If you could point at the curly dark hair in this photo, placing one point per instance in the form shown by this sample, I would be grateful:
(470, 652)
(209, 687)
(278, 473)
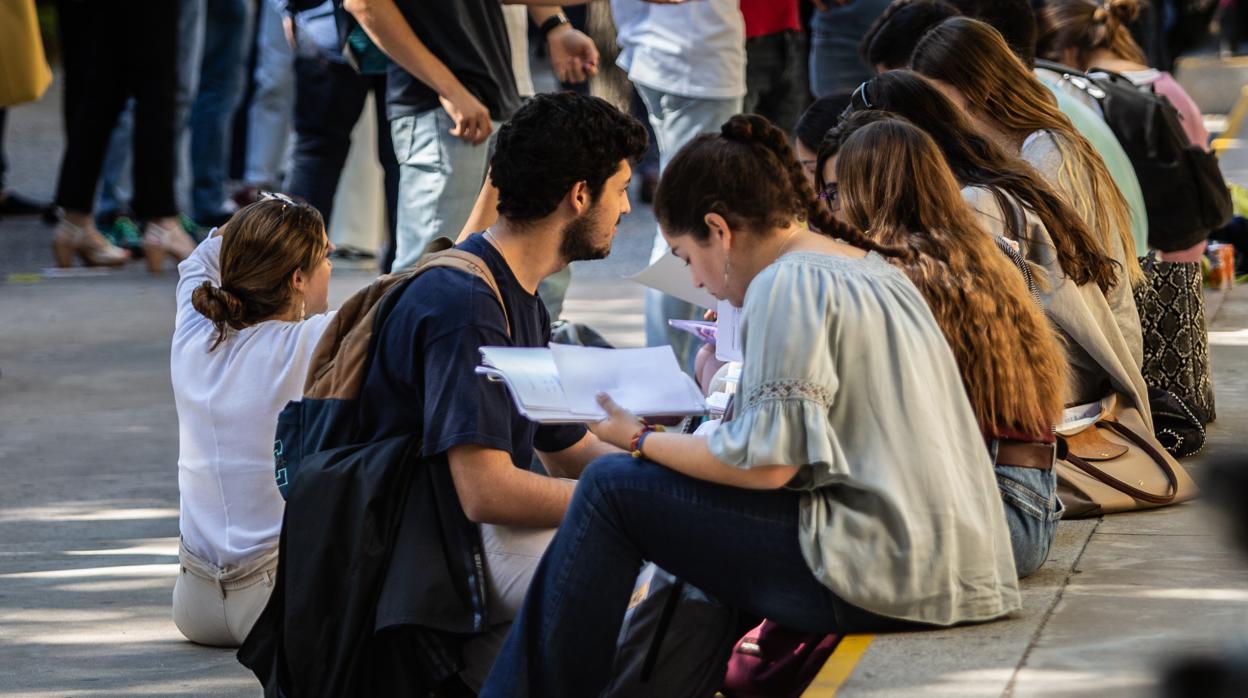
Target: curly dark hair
(555, 141)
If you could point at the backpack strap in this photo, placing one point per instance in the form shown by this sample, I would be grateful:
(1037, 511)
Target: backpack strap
(469, 264)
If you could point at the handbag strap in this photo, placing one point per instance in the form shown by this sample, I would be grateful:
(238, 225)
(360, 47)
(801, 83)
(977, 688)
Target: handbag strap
(1121, 486)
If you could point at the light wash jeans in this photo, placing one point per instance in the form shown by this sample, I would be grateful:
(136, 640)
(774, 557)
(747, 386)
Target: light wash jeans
(1032, 511)
(116, 187)
(676, 121)
(835, 66)
(440, 177)
(227, 31)
(272, 104)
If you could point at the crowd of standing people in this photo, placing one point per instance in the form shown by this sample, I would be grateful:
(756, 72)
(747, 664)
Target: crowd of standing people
(931, 227)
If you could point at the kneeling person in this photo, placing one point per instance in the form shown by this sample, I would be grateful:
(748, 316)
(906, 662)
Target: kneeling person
(561, 166)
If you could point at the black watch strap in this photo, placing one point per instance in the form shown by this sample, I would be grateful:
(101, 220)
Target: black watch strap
(551, 23)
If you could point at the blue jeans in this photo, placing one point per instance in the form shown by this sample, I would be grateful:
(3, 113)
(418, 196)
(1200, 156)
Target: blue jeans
(1032, 511)
(676, 121)
(835, 66)
(740, 546)
(439, 179)
(227, 35)
(272, 104)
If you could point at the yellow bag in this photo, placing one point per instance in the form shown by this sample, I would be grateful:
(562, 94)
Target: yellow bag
(24, 72)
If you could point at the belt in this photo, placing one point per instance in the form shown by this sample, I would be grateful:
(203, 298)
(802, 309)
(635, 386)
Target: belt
(1025, 454)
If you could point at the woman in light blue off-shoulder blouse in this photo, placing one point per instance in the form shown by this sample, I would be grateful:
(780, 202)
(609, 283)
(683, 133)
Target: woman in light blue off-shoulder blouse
(851, 491)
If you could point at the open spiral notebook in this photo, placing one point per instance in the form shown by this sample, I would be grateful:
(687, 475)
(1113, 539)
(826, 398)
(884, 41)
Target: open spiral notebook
(561, 383)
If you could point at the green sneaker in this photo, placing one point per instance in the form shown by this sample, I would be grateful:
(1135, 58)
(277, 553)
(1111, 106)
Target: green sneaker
(195, 230)
(124, 233)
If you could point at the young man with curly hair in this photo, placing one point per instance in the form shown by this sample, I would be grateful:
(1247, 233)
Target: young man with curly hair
(562, 169)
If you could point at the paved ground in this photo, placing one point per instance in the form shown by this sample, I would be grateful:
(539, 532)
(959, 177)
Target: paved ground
(88, 503)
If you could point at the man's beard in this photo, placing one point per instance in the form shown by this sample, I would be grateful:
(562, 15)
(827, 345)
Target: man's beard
(578, 240)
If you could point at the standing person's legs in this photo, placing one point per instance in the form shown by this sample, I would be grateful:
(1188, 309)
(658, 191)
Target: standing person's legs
(153, 61)
(116, 185)
(835, 66)
(226, 34)
(676, 121)
(97, 89)
(272, 104)
(329, 98)
(439, 179)
(739, 546)
(190, 57)
(390, 166)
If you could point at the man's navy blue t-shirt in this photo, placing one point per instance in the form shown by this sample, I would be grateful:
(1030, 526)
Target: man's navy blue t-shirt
(423, 373)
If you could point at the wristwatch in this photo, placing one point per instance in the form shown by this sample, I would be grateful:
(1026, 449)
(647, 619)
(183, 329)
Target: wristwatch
(551, 23)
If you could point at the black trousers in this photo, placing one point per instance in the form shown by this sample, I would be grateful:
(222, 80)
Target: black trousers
(114, 50)
(329, 97)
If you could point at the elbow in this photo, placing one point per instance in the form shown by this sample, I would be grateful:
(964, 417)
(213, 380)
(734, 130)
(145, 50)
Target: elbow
(476, 508)
(355, 8)
(775, 477)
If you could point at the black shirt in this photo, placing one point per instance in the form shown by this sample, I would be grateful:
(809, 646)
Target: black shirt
(470, 37)
(423, 374)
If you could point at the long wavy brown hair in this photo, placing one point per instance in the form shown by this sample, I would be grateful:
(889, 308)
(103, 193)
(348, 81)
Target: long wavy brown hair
(895, 184)
(978, 161)
(973, 58)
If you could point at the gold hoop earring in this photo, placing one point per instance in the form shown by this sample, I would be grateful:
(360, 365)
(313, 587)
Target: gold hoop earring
(302, 305)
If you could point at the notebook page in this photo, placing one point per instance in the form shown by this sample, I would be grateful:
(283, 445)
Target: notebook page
(531, 374)
(644, 381)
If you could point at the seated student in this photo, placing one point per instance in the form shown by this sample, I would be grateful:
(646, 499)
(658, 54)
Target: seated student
(817, 120)
(252, 302)
(891, 42)
(851, 417)
(1089, 35)
(891, 180)
(970, 63)
(1016, 21)
(561, 167)
(1013, 201)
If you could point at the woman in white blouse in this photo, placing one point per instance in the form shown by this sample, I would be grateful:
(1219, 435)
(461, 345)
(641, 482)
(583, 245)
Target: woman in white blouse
(850, 492)
(252, 303)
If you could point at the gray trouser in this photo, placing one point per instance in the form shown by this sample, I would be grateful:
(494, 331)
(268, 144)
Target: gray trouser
(511, 557)
(217, 607)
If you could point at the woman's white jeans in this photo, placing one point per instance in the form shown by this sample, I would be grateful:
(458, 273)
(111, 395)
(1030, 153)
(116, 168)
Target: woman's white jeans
(215, 606)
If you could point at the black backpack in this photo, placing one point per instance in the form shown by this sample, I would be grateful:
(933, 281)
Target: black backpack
(1183, 188)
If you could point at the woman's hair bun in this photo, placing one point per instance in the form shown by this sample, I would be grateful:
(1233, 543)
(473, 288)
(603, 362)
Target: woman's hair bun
(217, 304)
(1123, 11)
(744, 128)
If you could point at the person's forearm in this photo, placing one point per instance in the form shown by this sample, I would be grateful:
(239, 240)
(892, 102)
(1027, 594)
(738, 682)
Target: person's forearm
(689, 455)
(484, 212)
(390, 31)
(571, 462)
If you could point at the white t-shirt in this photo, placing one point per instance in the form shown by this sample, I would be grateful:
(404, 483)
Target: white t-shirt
(695, 49)
(228, 401)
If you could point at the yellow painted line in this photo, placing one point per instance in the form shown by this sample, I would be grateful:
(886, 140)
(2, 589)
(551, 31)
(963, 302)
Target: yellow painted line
(839, 666)
(24, 278)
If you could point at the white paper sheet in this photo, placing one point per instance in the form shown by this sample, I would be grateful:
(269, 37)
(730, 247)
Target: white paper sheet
(728, 332)
(669, 275)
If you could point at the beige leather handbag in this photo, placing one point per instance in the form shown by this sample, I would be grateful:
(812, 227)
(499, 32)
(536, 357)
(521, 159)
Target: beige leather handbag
(1114, 464)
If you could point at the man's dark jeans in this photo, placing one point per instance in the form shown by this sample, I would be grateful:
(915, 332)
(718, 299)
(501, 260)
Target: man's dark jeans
(775, 77)
(740, 546)
(329, 98)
